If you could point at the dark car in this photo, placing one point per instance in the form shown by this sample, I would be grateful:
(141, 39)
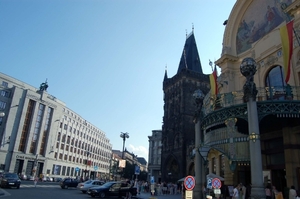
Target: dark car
(68, 182)
(119, 189)
(10, 180)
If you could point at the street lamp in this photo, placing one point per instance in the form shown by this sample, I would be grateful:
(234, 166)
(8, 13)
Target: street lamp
(248, 69)
(124, 136)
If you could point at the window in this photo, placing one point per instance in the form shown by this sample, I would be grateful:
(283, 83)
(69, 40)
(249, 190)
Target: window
(4, 93)
(4, 84)
(2, 105)
(275, 84)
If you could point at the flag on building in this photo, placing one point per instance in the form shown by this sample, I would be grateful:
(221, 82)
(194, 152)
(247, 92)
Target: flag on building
(213, 82)
(286, 34)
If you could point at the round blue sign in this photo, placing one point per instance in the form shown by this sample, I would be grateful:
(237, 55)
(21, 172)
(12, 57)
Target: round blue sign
(77, 169)
(189, 183)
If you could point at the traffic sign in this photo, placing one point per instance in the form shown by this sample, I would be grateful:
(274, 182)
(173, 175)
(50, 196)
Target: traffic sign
(216, 183)
(209, 183)
(217, 191)
(77, 169)
(96, 168)
(189, 183)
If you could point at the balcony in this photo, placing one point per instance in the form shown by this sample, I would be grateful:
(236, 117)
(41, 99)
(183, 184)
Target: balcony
(281, 101)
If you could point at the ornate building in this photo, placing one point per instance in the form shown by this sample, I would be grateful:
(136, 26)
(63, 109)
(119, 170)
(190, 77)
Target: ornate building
(178, 130)
(253, 30)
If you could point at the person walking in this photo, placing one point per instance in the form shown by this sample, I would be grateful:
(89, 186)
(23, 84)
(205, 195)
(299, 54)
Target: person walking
(268, 192)
(35, 180)
(236, 192)
(292, 192)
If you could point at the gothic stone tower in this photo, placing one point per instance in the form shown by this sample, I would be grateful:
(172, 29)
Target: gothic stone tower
(178, 130)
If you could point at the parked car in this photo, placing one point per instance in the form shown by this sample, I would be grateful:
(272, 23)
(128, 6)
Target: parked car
(57, 179)
(49, 179)
(10, 180)
(23, 177)
(119, 189)
(84, 186)
(29, 177)
(68, 182)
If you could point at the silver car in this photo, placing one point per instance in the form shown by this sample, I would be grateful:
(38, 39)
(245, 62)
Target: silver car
(84, 186)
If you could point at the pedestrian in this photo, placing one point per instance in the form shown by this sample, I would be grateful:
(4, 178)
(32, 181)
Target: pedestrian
(292, 192)
(35, 180)
(243, 191)
(274, 192)
(268, 192)
(236, 192)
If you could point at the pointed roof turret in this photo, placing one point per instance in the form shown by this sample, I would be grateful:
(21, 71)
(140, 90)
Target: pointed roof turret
(190, 57)
(166, 75)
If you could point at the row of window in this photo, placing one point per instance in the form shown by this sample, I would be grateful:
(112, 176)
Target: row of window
(79, 160)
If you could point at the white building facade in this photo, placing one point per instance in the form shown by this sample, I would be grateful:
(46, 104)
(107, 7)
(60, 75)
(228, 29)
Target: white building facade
(40, 135)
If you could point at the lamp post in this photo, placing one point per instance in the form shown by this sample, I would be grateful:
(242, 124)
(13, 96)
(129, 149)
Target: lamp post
(124, 136)
(248, 69)
(197, 192)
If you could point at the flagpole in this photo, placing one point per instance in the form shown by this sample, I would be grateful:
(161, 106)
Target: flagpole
(289, 18)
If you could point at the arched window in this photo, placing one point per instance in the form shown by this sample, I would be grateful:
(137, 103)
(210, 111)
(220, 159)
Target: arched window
(275, 84)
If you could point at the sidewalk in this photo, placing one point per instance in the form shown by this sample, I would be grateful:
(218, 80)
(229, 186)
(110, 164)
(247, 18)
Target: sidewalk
(168, 196)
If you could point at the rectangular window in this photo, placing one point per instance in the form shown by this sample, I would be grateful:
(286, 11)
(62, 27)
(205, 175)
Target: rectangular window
(64, 170)
(4, 93)
(2, 105)
(213, 165)
(4, 84)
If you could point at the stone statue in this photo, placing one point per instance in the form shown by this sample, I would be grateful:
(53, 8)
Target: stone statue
(44, 86)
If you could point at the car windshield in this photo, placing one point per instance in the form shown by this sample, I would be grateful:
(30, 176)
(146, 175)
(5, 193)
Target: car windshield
(108, 184)
(88, 182)
(10, 175)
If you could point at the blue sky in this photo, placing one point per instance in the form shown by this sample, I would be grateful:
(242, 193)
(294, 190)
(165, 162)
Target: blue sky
(106, 59)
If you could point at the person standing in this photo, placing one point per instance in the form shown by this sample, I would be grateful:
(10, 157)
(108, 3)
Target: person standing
(35, 180)
(292, 192)
(243, 191)
(235, 194)
(268, 192)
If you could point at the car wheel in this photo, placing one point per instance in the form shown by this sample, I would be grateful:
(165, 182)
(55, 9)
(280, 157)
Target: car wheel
(83, 191)
(66, 187)
(18, 187)
(102, 195)
(93, 196)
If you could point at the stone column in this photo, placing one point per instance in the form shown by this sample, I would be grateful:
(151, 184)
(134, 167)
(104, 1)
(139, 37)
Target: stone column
(199, 167)
(248, 69)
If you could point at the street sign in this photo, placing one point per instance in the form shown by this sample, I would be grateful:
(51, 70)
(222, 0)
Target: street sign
(152, 180)
(209, 183)
(217, 191)
(188, 194)
(137, 170)
(189, 183)
(216, 183)
(77, 169)
(96, 168)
